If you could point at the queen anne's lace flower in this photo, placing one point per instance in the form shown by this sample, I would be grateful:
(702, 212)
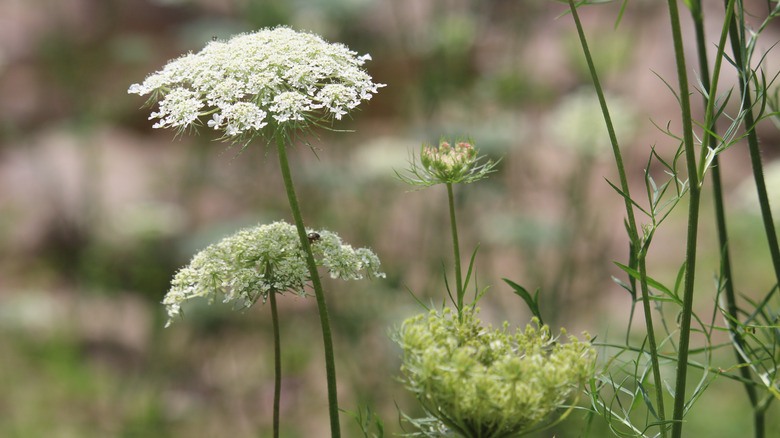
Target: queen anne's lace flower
(274, 76)
(446, 160)
(478, 382)
(245, 267)
(447, 164)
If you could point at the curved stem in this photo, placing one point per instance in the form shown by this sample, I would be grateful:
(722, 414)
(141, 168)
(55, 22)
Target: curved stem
(327, 339)
(277, 362)
(638, 251)
(456, 249)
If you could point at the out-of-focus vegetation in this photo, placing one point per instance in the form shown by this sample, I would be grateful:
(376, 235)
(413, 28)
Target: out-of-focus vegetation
(97, 210)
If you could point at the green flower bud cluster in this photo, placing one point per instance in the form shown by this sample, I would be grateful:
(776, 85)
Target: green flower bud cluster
(481, 382)
(447, 164)
(277, 77)
(264, 259)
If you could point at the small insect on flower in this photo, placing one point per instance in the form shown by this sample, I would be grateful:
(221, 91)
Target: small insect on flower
(313, 237)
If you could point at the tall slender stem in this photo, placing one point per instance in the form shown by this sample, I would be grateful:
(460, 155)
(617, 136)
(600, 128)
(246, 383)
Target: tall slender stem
(277, 362)
(693, 224)
(720, 211)
(638, 251)
(456, 249)
(742, 65)
(759, 423)
(738, 47)
(327, 338)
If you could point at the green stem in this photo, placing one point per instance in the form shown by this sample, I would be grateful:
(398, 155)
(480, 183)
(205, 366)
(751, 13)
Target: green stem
(327, 339)
(717, 185)
(728, 283)
(693, 224)
(638, 251)
(763, 197)
(456, 249)
(737, 46)
(277, 362)
(758, 423)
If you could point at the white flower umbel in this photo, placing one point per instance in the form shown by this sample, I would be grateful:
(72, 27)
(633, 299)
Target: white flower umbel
(247, 266)
(276, 77)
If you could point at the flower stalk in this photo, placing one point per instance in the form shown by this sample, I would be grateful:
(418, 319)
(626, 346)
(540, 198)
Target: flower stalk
(637, 248)
(277, 363)
(693, 224)
(322, 309)
(460, 287)
(710, 139)
(740, 46)
(449, 164)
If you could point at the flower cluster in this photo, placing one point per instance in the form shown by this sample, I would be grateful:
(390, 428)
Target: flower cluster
(478, 382)
(446, 160)
(447, 164)
(276, 76)
(248, 265)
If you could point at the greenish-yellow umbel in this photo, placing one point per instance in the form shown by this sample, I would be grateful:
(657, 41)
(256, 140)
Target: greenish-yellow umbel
(482, 382)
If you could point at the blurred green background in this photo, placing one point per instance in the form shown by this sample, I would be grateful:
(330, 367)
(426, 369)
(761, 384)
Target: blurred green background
(98, 210)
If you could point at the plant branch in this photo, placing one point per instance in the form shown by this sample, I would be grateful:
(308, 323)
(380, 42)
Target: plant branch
(456, 250)
(710, 139)
(327, 339)
(637, 250)
(738, 48)
(693, 224)
(277, 362)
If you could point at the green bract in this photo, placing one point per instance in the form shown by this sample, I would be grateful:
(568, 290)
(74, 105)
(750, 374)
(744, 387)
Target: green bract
(248, 265)
(478, 382)
(447, 164)
(279, 76)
